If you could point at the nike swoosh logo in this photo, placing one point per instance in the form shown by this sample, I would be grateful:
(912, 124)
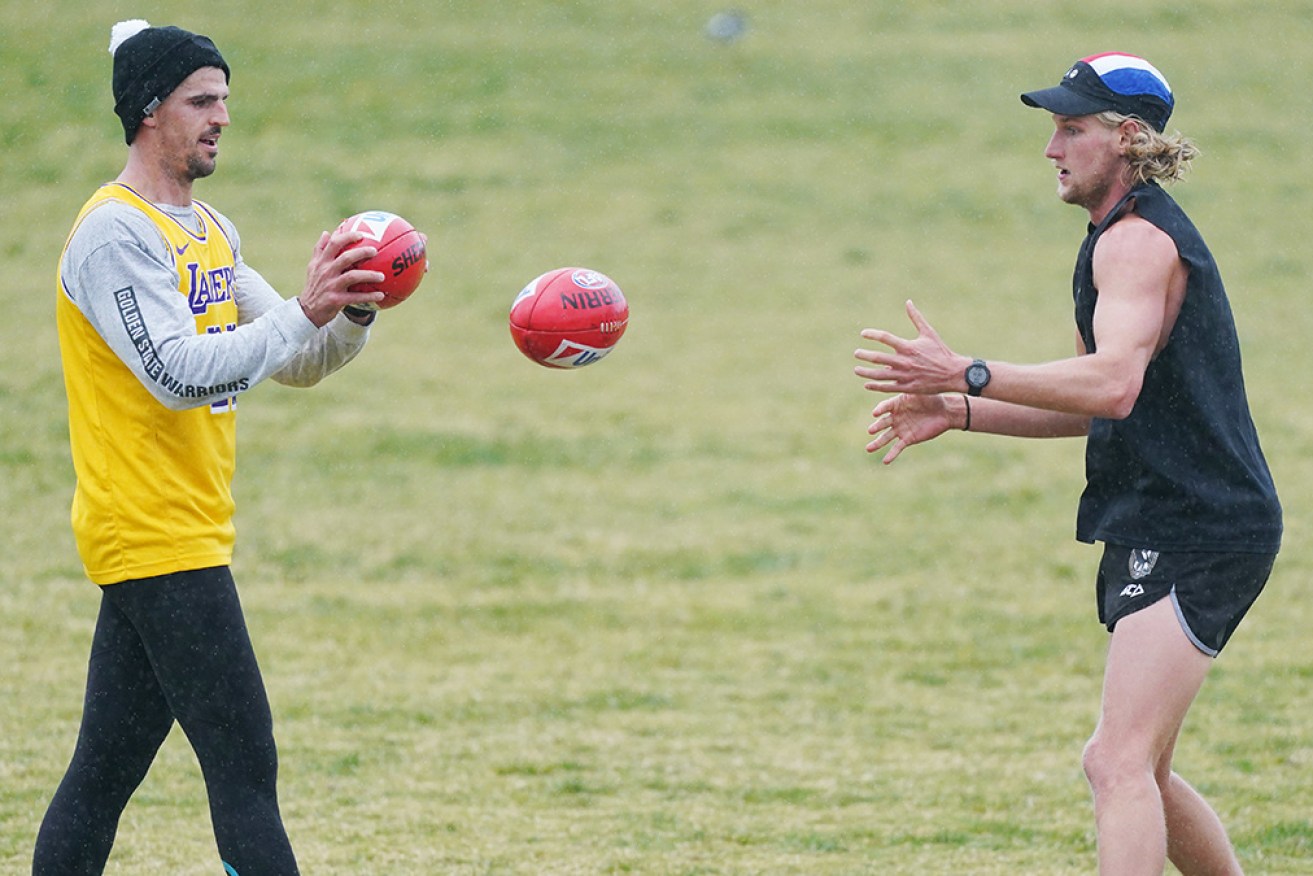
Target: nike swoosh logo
(182, 249)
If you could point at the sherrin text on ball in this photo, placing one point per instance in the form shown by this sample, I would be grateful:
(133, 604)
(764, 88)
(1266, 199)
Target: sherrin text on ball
(402, 256)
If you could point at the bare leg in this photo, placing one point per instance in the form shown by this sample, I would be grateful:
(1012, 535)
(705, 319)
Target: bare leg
(1196, 840)
(1142, 810)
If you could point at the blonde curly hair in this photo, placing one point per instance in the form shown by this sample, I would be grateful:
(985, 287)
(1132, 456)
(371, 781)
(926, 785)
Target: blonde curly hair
(1154, 157)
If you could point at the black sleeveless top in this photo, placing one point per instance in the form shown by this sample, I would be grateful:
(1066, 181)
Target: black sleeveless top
(1184, 471)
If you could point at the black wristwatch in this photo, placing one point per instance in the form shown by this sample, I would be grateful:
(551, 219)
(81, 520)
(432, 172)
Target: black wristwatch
(977, 377)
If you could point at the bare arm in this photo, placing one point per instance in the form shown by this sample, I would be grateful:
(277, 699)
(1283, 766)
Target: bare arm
(1138, 273)
(906, 419)
(1136, 270)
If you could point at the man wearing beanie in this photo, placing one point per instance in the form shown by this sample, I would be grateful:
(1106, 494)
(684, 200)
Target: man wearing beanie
(1177, 488)
(162, 325)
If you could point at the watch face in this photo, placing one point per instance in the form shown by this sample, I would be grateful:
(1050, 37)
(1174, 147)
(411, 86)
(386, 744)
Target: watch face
(977, 375)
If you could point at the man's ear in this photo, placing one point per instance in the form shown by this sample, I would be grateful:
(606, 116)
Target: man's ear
(1127, 132)
(149, 121)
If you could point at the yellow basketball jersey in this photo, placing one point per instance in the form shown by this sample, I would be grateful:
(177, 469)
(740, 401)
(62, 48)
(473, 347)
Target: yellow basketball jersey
(153, 489)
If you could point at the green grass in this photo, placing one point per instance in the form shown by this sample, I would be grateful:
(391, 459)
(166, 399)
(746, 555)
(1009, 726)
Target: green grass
(664, 616)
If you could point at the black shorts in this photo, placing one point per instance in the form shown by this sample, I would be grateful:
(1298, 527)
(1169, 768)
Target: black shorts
(1211, 592)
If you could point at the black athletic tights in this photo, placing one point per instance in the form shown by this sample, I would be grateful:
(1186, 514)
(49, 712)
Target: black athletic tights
(166, 648)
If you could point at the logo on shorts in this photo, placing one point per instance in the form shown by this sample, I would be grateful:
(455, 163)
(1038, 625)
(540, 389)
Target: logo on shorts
(1141, 563)
(1132, 591)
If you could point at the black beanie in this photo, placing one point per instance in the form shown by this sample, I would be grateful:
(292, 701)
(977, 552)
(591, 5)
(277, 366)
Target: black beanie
(151, 63)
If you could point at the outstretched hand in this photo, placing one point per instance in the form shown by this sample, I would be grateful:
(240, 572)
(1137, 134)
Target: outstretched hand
(919, 370)
(904, 420)
(331, 274)
(922, 365)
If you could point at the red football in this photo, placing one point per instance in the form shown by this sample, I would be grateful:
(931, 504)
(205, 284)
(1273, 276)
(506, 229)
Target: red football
(402, 256)
(568, 318)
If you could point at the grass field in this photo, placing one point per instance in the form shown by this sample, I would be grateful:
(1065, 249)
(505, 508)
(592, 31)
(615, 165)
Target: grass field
(663, 615)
